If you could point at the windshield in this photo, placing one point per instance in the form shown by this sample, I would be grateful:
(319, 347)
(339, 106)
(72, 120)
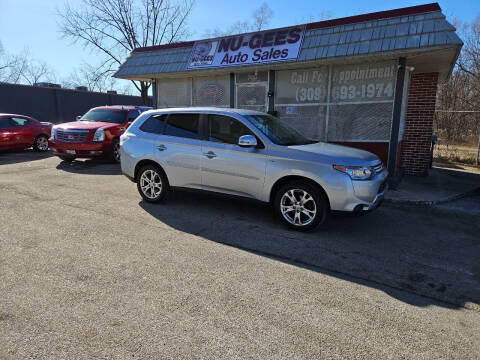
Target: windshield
(111, 116)
(277, 131)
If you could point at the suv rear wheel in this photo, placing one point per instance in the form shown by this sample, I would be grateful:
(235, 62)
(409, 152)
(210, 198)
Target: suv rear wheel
(152, 184)
(301, 206)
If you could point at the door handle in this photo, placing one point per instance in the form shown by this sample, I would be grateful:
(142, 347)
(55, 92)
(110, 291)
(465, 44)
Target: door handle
(210, 154)
(161, 147)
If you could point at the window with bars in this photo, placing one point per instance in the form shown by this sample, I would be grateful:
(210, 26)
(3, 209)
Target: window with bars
(174, 92)
(211, 91)
(338, 103)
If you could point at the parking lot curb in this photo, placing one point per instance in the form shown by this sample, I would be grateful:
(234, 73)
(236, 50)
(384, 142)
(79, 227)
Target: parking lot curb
(433, 202)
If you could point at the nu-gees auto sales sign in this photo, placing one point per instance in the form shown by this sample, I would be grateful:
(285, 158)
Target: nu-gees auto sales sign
(246, 49)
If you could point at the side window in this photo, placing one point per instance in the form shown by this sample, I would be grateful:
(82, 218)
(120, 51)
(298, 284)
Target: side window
(5, 122)
(226, 129)
(133, 115)
(19, 122)
(154, 124)
(183, 125)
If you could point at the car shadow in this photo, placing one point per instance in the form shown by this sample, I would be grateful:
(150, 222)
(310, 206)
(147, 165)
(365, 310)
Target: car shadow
(404, 252)
(96, 166)
(19, 156)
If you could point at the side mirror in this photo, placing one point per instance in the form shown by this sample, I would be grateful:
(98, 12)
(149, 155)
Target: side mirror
(78, 117)
(247, 141)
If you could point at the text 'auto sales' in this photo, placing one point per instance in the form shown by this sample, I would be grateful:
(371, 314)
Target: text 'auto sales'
(260, 47)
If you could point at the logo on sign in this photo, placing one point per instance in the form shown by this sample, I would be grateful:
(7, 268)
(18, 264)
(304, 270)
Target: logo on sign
(254, 48)
(203, 53)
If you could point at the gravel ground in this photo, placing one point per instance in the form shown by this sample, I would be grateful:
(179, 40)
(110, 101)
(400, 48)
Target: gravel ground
(87, 270)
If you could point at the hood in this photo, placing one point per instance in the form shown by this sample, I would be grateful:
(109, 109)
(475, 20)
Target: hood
(86, 125)
(340, 155)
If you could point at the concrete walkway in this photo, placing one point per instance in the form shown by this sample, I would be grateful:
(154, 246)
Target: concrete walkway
(445, 182)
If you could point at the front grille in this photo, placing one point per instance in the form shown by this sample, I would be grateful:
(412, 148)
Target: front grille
(72, 136)
(378, 168)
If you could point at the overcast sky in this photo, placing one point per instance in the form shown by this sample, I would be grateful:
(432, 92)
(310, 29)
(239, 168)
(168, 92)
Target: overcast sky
(32, 24)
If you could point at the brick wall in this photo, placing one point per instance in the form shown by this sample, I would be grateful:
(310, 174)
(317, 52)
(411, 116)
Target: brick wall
(419, 123)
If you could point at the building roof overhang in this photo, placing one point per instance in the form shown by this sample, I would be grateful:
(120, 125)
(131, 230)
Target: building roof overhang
(419, 33)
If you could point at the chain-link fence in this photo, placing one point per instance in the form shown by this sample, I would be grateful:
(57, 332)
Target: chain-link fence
(458, 136)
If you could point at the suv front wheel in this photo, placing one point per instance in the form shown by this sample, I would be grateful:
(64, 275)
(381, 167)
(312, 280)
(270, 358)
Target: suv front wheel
(152, 184)
(115, 151)
(301, 206)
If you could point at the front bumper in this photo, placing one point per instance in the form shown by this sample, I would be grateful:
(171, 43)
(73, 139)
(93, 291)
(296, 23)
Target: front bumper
(377, 201)
(363, 196)
(79, 150)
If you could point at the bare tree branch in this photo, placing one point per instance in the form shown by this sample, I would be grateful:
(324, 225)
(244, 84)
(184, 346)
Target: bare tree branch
(461, 92)
(261, 19)
(115, 27)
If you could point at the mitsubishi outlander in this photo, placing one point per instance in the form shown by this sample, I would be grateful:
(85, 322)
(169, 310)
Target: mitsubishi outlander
(253, 155)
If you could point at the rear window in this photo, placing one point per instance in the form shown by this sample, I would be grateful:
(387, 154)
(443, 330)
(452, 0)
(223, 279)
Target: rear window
(19, 122)
(183, 125)
(111, 116)
(153, 124)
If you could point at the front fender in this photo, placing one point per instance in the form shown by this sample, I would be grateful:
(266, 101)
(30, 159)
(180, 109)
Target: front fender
(337, 186)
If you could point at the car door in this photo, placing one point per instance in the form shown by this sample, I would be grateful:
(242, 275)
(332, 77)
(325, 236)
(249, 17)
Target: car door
(179, 149)
(228, 167)
(23, 131)
(6, 133)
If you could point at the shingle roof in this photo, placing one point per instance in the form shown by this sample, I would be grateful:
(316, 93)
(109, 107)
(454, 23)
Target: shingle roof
(416, 27)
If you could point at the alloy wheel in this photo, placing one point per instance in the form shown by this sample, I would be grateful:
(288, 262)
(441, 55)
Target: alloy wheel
(151, 184)
(298, 207)
(42, 143)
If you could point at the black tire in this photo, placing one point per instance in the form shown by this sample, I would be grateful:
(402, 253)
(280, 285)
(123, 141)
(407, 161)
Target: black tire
(114, 154)
(315, 207)
(41, 143)
(67, 158)
(157, 175)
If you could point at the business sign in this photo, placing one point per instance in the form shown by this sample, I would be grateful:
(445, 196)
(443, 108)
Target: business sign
(369, 82)
(254, 48)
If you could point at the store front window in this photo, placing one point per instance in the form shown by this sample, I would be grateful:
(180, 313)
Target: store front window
(338, 103)
(251, 90)
(329, 102)
(174, 92)
(211, 91)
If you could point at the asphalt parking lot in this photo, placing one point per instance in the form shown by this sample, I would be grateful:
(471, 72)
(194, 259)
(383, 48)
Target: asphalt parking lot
(88, 270)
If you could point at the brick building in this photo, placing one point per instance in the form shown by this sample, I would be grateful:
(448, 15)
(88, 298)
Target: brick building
(367, 81)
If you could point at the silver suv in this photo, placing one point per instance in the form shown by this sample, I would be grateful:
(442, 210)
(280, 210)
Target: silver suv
(250, 154)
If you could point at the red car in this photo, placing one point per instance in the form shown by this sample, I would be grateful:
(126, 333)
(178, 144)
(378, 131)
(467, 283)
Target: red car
(94, 134)
(20, 132)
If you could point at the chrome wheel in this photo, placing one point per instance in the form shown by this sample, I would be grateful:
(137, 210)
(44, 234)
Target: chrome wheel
(42, 143)
(151, 184)
(298, 207)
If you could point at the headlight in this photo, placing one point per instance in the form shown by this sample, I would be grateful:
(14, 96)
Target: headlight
(356, 172)
(99, 135)
(53, 133)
